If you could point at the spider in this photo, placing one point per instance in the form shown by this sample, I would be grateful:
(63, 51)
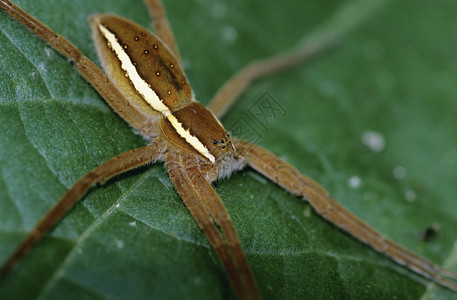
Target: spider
(185, 154)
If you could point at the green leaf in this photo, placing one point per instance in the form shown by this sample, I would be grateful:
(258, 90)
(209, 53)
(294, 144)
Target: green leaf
(393, 80)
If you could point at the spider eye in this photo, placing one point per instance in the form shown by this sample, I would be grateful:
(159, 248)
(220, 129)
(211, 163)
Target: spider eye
(222, 141)
(215, 142)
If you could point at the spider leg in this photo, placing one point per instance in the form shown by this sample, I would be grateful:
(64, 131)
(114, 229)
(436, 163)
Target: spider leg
(115, 166)
(240, 81)
(212, 217)
(93, 74)
(162, 27)
(300, 185)
(323, 38)
(221, 216)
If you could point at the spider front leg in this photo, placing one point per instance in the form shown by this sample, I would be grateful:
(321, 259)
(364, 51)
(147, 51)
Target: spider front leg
(227, 95)
(300, 185)
(212, 217)
(115, 166)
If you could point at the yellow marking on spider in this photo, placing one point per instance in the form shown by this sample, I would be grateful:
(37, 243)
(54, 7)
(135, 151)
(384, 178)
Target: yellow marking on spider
(126, 64)
(149, 95)
(192, 140)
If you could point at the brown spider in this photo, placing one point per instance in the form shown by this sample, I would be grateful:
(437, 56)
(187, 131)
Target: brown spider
(149, 90)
